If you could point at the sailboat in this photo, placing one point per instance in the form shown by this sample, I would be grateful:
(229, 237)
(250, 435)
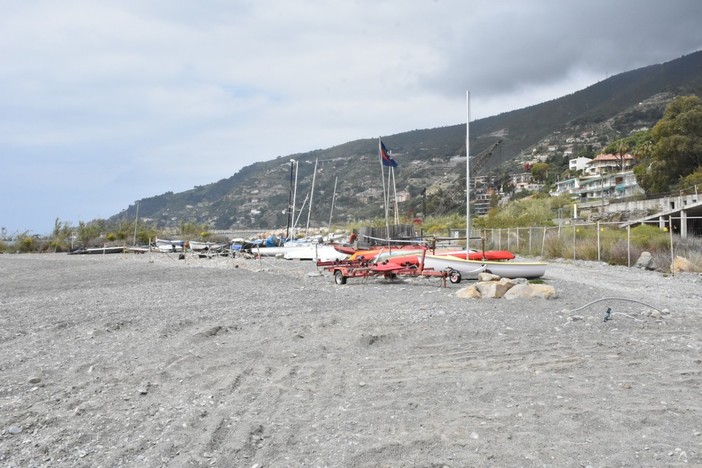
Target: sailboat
(470, 263)
(463, 264)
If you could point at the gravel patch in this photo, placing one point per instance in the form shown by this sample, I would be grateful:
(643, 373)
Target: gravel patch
(148, 360)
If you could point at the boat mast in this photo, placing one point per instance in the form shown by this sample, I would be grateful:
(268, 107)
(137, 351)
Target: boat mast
(331, 211)
(467, 172)
(385, 194)
(394, 194)
(309, 210)
(292, 232)
(290, 194)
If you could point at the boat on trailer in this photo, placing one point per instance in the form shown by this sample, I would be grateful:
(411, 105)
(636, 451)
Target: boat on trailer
(496, 262)
(472, 268)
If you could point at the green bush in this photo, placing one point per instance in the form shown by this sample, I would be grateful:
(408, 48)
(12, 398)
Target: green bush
(650, 238)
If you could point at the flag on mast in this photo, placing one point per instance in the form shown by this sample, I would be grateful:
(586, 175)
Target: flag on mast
(385, 156)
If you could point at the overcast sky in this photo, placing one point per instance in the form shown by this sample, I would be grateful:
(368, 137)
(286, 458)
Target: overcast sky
(105, 102)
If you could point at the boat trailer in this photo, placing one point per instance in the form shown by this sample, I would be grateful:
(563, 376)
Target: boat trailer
(344, 269)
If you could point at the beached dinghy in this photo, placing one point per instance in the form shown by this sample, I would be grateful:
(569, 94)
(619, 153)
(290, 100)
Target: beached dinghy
(198, 246)
(164, 245)
(472, 268)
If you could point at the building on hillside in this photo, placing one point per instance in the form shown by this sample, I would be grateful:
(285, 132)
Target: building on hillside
(568, 186)
(523, 181)
(605, 186)
(609, 163)
(618, 185)
(402, 196)
(481, 202)
(579, 164)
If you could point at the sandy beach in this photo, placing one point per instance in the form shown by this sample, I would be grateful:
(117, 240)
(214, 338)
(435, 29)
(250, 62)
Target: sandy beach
(151, 361)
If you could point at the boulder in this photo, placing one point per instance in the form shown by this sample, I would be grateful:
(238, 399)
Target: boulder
(484, 277)
(646, 261)
(494, 289)
(526, 290)
(469, 292)
(681, 264)
(507, 288)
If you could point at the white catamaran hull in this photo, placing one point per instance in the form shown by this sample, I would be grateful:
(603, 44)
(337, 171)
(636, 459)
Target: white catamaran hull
(472, 268)
(321, 252)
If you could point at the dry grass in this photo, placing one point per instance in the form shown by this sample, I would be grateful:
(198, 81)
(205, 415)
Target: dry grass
(613, 245)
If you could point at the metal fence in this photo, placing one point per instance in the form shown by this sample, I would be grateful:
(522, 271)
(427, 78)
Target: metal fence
(608, 242)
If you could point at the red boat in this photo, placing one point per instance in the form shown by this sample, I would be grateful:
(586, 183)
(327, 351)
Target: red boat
(413, 259)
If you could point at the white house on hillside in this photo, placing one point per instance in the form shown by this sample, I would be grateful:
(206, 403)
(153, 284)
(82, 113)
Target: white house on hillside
(610, 186)
(578, 164)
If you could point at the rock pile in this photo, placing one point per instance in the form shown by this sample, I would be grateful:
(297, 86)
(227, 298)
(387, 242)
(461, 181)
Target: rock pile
(493, 287)
(678, 265)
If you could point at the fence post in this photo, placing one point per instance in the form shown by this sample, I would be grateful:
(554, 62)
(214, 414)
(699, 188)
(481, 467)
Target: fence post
(672, 254)
(598, 242)
(573, 241)
(530, 241)
(628, 245)
(543, 242)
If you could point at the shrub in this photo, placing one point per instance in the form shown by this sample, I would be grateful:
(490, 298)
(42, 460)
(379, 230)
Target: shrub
(650, 238)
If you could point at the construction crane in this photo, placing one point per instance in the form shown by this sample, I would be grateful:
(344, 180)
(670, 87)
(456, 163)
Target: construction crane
(479, 160)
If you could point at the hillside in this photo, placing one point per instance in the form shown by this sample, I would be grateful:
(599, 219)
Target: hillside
(257, 196)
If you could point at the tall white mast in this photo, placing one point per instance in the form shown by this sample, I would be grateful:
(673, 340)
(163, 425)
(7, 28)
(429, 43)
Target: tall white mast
(394, 194)
(292, 232)
(385, 194)
(309, 211)
(467, 171)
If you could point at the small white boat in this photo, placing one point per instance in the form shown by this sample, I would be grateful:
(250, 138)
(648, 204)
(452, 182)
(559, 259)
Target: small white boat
(472, 268)
(263, 251)
(164, 245)
(197, 246)
(98, 250)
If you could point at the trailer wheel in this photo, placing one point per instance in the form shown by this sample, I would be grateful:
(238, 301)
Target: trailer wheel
(454, 276)
(339, 277)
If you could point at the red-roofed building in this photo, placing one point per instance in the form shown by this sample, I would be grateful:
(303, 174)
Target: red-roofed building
(609, 163)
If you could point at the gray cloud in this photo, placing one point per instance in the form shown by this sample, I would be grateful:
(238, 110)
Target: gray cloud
(143, 92)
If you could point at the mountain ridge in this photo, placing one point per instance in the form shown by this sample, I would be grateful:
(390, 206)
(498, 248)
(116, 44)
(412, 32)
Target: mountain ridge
(257, 196)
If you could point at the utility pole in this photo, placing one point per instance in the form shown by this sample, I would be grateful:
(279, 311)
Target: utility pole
(424, 203)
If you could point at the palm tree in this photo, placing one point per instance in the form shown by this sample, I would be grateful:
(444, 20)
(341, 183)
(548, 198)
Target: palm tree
(622, 148)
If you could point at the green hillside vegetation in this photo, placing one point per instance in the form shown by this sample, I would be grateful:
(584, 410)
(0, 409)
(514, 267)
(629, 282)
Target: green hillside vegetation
(669, 157)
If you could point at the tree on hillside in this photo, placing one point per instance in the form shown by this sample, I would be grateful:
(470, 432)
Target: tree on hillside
(691, 180)
(539, 171)
(677, 147)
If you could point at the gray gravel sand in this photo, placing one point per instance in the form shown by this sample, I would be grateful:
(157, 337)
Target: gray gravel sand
(147, 360)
